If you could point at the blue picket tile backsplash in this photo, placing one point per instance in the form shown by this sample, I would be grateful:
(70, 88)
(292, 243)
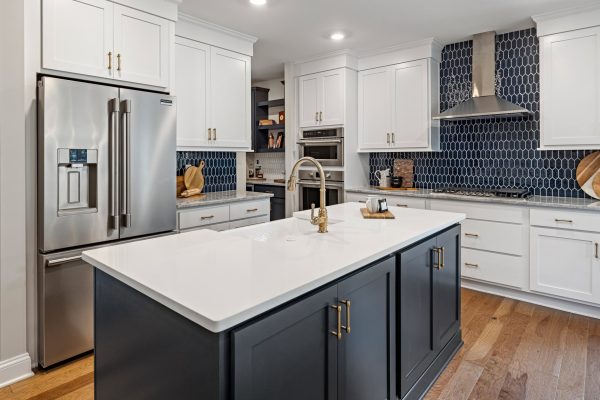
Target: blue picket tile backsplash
(219, 170)
(498, 152)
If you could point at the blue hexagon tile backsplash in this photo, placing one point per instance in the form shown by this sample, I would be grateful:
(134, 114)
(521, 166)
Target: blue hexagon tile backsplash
(498, 152)
(219, 170)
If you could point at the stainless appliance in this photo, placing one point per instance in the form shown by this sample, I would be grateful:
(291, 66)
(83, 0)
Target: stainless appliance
(463, 191)
(309, 186)
(484, 102)
(106, 172)
(324, 145)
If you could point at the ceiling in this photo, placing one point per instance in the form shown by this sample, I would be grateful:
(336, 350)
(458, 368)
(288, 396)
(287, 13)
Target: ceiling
(290, 30)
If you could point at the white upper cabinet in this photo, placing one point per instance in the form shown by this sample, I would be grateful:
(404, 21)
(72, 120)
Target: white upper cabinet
(78, 36)
(375, 96)
(395, 106)
(212, 86)
(230, 99)
(411, 106)
(570, 89)
(321, 98)
(191, 85)
(141, 43)
(106, 40)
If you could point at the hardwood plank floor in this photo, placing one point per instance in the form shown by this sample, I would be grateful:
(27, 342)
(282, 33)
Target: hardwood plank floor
(513, 350)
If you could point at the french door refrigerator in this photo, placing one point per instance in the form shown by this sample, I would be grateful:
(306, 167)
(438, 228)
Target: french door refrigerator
(106, 173)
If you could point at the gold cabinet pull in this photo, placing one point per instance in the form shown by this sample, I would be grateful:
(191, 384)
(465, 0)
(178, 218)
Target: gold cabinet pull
(470, 265)
(317, 116)
(320, 116)
(347, 326)
(338, 333)
(209, 133)
(436, 264)
(214, 133)
(207, 217)
(109, 60)
(443, 257)
(393, 138)
(119, 62)
(473, 235)
(388, 138)
(252, 210)
(597, 250)
(566, 221)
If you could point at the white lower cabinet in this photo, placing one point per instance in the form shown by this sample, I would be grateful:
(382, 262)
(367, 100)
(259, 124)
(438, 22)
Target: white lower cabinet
(566, 263)
(497, 268)
(226, 216)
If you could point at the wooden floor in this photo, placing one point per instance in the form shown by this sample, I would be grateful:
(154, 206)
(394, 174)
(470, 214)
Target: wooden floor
(513, 350)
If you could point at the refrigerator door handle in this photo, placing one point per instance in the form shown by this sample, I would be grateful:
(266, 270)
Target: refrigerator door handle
(126, 165)
(60, 261)
(114, 165)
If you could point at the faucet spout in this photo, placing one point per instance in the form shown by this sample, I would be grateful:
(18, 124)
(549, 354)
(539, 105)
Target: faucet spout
(322, 218)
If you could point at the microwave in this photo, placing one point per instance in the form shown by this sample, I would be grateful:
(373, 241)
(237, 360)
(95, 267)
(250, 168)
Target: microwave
(324, 145)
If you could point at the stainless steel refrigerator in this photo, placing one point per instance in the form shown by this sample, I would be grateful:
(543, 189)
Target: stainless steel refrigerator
(106, 173)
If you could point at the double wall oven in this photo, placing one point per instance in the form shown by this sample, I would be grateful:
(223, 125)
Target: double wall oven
(309, 188)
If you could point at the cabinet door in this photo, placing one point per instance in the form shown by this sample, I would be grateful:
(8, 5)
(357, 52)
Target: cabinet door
(191, 83)
(277, 208)
(446, 288)
(566, 263)
(230, 98)
(290, 354)
(332, 97)
(308, 101)
(416, 348)
(570, 83)
(77, 36)
(411, 106)
(141, 47)
(375, 94)
(366, 366)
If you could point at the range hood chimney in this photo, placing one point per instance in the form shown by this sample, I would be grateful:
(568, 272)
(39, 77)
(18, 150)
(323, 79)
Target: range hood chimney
(484, 103)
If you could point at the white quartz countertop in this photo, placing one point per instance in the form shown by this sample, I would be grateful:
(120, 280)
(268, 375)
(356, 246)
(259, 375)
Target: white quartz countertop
(221, 279)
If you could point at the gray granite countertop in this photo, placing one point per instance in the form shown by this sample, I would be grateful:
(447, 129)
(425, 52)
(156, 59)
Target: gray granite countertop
(535, 201)
(216, 198)
(268, 182)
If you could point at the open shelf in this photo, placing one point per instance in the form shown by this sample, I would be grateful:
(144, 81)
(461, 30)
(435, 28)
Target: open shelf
(271, 127)
(280, 150)
(271, 103)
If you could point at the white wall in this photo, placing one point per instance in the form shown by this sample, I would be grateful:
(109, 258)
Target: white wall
(15, 362)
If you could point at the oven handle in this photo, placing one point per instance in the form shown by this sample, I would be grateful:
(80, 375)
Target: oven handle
(318, 142)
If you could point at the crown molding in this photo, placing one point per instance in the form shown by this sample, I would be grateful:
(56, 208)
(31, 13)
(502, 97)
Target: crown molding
(568, 19)
(432, 42)
(214, 27)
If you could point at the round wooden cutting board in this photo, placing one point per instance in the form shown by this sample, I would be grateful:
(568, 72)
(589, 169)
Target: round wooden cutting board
(193, 179)
(588, 175)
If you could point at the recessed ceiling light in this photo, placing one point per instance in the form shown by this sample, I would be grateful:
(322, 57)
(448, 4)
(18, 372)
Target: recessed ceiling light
(258, 2)
(337, 36)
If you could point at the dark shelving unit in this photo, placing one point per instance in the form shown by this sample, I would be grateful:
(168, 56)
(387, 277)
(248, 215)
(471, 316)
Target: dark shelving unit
(260, 110)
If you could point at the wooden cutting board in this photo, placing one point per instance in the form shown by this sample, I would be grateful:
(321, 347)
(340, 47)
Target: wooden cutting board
(193, 180)
(588, 175)
(369, 215)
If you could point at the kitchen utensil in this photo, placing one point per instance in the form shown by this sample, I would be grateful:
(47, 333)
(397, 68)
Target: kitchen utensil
(396, 182)
(380, 215)
(372, 204)
(180, 185)
(405, 169)
(588, 172)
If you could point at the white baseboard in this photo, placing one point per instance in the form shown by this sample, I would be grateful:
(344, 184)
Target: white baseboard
(534, 298)
(15, 369)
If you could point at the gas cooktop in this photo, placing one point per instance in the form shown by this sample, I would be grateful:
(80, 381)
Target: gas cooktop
(463, 191)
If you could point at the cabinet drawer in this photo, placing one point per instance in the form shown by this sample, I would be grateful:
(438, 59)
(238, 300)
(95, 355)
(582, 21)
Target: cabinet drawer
(494, 236)
(487, 212)
(582, 221)
(495, 268)
(395, 201)
(249, 221)
(203, 216)
(248, 209)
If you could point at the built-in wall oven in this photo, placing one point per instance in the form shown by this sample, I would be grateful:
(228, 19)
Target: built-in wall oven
(324, 145)
(309, 188)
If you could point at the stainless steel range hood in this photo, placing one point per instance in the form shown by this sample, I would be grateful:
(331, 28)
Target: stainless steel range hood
(484, 103)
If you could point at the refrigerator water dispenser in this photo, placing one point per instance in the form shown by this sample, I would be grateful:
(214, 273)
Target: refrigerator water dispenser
(77, 181)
